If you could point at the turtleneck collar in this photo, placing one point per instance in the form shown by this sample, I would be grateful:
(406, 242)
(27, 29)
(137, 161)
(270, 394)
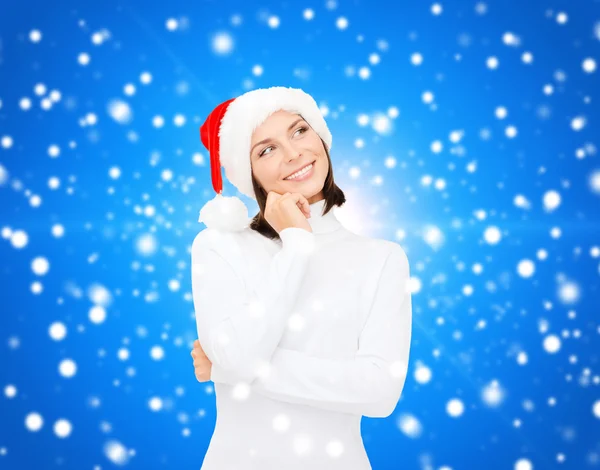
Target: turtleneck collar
(320, 223)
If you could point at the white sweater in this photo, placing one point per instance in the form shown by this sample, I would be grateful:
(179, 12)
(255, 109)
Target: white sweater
(305, 335)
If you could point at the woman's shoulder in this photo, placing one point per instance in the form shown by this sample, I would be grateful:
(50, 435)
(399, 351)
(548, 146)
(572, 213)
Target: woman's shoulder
(391, 256)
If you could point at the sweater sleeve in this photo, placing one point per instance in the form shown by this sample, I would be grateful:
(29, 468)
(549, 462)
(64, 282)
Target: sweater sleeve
(240, 333)
(372, 382)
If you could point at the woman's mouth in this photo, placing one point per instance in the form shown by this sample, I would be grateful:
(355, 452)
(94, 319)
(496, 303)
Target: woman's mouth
(302, 174)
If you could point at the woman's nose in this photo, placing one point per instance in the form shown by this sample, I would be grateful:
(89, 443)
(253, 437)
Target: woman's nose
(292, 153)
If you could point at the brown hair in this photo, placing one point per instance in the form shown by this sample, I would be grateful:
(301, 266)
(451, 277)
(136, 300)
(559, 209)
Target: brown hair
(334, 196)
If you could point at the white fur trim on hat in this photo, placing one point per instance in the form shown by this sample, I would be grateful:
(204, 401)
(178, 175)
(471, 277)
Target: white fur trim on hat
(249, 111)
(225, 213)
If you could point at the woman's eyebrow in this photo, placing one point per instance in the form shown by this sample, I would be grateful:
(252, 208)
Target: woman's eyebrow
(264, 141)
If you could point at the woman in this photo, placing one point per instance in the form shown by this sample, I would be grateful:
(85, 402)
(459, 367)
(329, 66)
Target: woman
(303, 326)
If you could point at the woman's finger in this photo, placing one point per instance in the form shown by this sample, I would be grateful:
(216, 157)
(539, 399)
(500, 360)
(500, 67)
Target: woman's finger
(303, 205)
(303, 209)
(306, 207)
(202, 370)
(201, 362)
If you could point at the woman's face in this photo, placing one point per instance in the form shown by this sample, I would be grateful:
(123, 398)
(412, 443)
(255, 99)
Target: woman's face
(283, 145)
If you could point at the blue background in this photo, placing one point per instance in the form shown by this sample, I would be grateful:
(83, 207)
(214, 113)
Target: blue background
(544, 416)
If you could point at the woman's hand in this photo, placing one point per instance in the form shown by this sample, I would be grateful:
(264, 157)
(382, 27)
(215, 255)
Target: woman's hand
(287, 210)
(202, 365)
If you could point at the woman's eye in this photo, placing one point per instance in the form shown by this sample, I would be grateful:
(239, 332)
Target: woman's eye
(303, 129)
(262, 153)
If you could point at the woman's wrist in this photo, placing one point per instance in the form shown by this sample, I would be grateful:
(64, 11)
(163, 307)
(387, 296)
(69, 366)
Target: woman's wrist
(298, 238)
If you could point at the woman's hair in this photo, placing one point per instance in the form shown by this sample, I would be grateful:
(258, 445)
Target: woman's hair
(334, 196)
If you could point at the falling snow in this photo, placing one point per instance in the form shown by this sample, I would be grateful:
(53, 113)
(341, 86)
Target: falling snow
(475, 148)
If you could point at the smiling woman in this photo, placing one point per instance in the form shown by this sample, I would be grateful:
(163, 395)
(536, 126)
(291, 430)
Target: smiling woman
(290, 158)
(303, 326)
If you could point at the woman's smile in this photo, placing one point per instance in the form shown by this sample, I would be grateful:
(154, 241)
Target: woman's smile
(303, 174)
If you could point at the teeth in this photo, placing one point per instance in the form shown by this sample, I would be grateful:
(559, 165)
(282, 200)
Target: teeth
(300, 173)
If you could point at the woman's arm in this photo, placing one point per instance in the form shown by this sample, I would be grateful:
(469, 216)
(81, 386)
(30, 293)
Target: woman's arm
(372, 382)
(239, 335)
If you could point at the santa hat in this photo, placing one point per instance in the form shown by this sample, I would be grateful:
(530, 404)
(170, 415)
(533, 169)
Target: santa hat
(227, 135)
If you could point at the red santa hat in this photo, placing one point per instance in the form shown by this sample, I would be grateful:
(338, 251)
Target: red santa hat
(227, 135)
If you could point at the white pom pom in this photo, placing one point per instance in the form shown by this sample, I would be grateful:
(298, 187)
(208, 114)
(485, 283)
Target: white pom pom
(225, 213)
